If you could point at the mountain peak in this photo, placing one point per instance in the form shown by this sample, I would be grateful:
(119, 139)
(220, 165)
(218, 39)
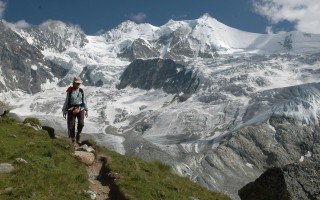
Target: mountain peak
(52, 24)
(3, 24)
(59, 26)
(126, 25)
(205, 16)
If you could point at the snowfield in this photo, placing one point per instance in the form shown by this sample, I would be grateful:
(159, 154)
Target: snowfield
(245, 79)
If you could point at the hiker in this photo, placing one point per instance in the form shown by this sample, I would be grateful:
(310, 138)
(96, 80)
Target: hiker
(75, 106)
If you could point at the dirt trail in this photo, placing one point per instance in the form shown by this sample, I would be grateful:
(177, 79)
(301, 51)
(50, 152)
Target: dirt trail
(100, 182)
(98, 178)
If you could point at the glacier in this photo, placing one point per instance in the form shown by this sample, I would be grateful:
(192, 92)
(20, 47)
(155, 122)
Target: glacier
(250, 86)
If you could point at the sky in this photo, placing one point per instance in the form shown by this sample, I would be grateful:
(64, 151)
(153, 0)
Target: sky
(97, 16)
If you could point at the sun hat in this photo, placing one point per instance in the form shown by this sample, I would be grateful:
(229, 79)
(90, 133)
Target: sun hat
(77, 79)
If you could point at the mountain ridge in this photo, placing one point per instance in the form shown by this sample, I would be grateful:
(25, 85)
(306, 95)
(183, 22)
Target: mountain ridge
(243, 82)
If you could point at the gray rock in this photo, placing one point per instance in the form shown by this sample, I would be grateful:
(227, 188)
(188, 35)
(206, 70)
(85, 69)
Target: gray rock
(35, 127)
(245, 154)
(85, 148)
(4, 108)
(8, 189)
(1, 111)
(23, 66)
(57, 35)
(139, 49)
(173, 78)
(6, 168)
(294, 181)
(84, 157)
(21, 161)
(92, 194)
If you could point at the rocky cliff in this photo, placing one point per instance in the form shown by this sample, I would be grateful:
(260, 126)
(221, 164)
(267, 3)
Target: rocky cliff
(291, 182)
(243, 105)
(22, 65)
(165, 74)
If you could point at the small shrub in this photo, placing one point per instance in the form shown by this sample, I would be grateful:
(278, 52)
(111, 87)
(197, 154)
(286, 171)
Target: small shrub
(31, 120)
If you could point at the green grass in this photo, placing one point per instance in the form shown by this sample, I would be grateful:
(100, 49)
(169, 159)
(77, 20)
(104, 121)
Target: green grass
(51, 172)
(154, 180)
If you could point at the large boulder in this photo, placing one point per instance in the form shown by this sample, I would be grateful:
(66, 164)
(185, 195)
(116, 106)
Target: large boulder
(6, 168)
(84, 157)
(4, 108)
(294, 181)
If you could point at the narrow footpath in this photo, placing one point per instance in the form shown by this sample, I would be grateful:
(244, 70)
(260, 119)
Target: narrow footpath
(99, 180)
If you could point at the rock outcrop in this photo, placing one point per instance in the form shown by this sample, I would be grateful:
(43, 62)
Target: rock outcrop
(245, 154)
(294, 181)
(84, 154)
(4, 108)
(173, 78)
(22, 65)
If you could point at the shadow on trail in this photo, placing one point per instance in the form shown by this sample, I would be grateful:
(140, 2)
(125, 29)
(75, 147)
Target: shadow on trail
(107, 178)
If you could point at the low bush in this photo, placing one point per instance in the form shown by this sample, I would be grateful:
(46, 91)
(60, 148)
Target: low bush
(32, 121)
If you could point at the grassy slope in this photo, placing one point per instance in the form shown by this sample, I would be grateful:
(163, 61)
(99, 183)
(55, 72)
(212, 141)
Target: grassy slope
(154, 180)
(52, 172)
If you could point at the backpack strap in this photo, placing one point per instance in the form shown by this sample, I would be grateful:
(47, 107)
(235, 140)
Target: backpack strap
(82, 103)
(69, 98)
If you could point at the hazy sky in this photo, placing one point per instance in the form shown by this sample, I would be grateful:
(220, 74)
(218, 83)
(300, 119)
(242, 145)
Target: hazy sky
(95, 16)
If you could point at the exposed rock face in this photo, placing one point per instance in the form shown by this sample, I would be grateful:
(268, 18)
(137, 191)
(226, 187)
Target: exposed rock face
(57, 35)
(202, 137)
(158, 73)
(246, 154)
(178, 43)
(87, 80)
(4, 108)
(139, 49)
(294, 181)
(22, 65)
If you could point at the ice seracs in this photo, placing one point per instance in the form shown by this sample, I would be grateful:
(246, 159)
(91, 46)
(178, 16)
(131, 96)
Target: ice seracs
(225, 133)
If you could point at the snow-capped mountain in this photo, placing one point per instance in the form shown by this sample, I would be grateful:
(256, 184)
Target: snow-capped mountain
(219, 104)
(23, 66)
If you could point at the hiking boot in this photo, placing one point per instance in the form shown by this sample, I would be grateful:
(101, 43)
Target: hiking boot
(78, 138)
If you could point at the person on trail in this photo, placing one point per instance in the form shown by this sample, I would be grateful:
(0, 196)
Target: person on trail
(75, 107)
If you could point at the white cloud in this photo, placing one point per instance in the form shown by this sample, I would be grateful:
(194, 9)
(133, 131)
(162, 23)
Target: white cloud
(269, 30)
(303, 13)
(21, 24)
(138, 17)
(2, 8)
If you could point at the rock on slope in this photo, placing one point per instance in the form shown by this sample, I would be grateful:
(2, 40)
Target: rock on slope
(294, 181)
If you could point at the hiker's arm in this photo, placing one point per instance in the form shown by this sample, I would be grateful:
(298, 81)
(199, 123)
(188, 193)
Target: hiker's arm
(64, 108)
(85, 105)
